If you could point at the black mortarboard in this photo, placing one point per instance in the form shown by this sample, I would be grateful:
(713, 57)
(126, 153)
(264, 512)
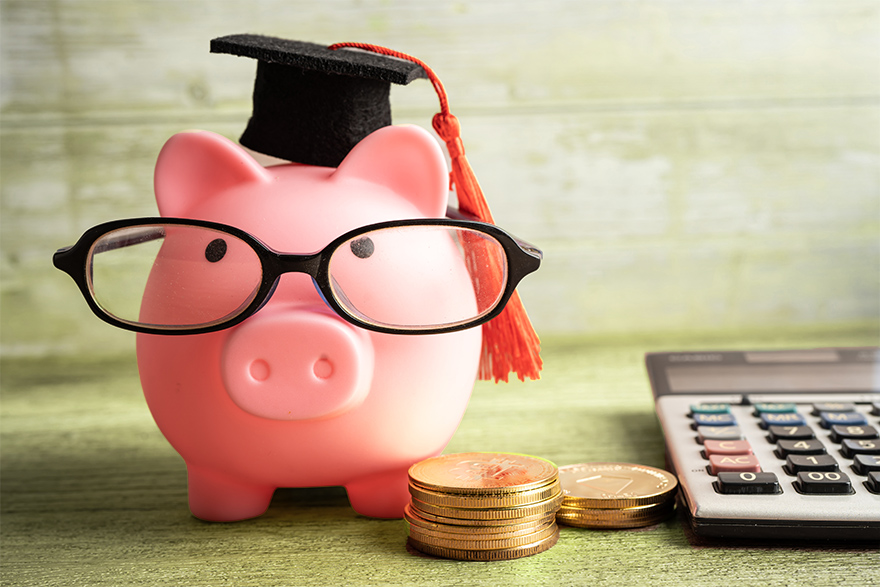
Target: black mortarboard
(312, 104)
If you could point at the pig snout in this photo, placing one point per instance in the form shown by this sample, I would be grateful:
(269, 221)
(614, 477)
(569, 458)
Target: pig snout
(297, 365)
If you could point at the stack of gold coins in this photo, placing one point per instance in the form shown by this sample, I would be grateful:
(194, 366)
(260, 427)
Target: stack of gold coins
(483, 506)
(615, 495)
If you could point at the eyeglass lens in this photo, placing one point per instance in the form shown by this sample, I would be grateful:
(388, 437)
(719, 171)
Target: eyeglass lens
(413, 277)
(409, 277)
(173, 276)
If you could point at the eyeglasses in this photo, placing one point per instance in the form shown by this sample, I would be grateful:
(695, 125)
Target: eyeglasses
(183, 276)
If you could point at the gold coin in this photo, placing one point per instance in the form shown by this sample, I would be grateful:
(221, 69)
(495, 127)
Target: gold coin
(479, 543)
(615, 485)
(448, 521)
(514, 528)
(486, 555)
(529, 497)
(503, 513)
(482, 473)
(621, 525)
(615, 518)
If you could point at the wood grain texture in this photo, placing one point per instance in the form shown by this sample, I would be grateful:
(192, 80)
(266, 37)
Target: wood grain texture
(685, 165)
(93, 495)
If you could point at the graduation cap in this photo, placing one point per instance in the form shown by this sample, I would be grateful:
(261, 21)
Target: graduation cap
(312, 104)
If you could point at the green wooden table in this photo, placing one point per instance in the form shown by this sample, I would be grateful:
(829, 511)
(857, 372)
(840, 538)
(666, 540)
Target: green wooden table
(93, 495)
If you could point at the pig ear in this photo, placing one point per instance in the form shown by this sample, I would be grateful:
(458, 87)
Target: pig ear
(195, 165)
(406, 159)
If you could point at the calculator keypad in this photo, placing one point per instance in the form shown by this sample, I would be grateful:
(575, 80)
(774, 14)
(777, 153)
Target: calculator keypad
(825, 448)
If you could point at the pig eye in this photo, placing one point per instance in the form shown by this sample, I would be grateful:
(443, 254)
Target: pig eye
(363, 247)
(215, 250)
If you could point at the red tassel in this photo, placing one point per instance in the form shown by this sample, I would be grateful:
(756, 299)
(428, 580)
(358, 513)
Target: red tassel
(509, 340)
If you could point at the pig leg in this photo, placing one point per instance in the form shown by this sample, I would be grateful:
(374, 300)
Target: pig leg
(215, 497)
(380, 495)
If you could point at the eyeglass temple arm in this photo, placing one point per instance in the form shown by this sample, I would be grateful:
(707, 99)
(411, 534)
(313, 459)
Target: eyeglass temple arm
(456, 214)
(123, 239)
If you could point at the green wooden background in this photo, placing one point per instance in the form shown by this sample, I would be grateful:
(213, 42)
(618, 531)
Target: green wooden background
(685, 165)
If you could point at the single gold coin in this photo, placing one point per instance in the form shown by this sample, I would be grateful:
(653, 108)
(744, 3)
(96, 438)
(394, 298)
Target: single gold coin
(480, 543)
(615, 485)
(549, 514)
(482, 473)
(609, 525)
(486, 555)
(600, 513)
(511, 528)
(615, 518)
(483, 533)
(490, 513)
(504, 500)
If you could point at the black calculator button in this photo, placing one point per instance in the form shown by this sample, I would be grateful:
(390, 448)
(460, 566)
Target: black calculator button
(823, 483)
(873, 482)
(777, 433)
(829, 419)
(833, 407)
(799, 447)
(864, 464)
(747, 483)
(839, 432)
(851, 447)
(794, 464)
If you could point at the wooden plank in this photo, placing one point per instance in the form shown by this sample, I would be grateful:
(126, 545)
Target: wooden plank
(650, 221)
(96, 57)
(728, 151)
(92, 494)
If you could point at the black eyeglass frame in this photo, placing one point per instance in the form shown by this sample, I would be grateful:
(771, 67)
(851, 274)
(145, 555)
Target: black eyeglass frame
(522, 259)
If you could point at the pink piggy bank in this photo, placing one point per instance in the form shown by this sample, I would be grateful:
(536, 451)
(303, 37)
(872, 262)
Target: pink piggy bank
(294, 396)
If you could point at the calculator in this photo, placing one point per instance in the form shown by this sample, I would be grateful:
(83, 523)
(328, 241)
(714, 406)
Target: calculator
(773, 444)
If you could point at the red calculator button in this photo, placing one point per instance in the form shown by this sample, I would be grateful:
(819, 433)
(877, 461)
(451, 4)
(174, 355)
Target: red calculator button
(733, 464)
(727, 447)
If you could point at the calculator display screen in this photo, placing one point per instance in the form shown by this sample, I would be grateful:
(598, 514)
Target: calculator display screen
(811, 377)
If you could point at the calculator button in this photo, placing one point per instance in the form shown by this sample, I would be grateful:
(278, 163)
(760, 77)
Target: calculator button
(839, 432)
(864, 464)
(705, 433)
(784, 419)
(713, 420)
(851, 447)
(873, 482)
(774, 409)
(730, 463)
(823, 483)
(789, 433)
(794, 464)
(875, 408)
(747, 483)
(799, 447)
(829, 419)
(833, 407)
(710, 409)
(727, 447)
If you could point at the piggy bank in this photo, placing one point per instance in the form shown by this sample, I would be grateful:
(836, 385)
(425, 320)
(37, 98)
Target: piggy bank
(294, 396)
